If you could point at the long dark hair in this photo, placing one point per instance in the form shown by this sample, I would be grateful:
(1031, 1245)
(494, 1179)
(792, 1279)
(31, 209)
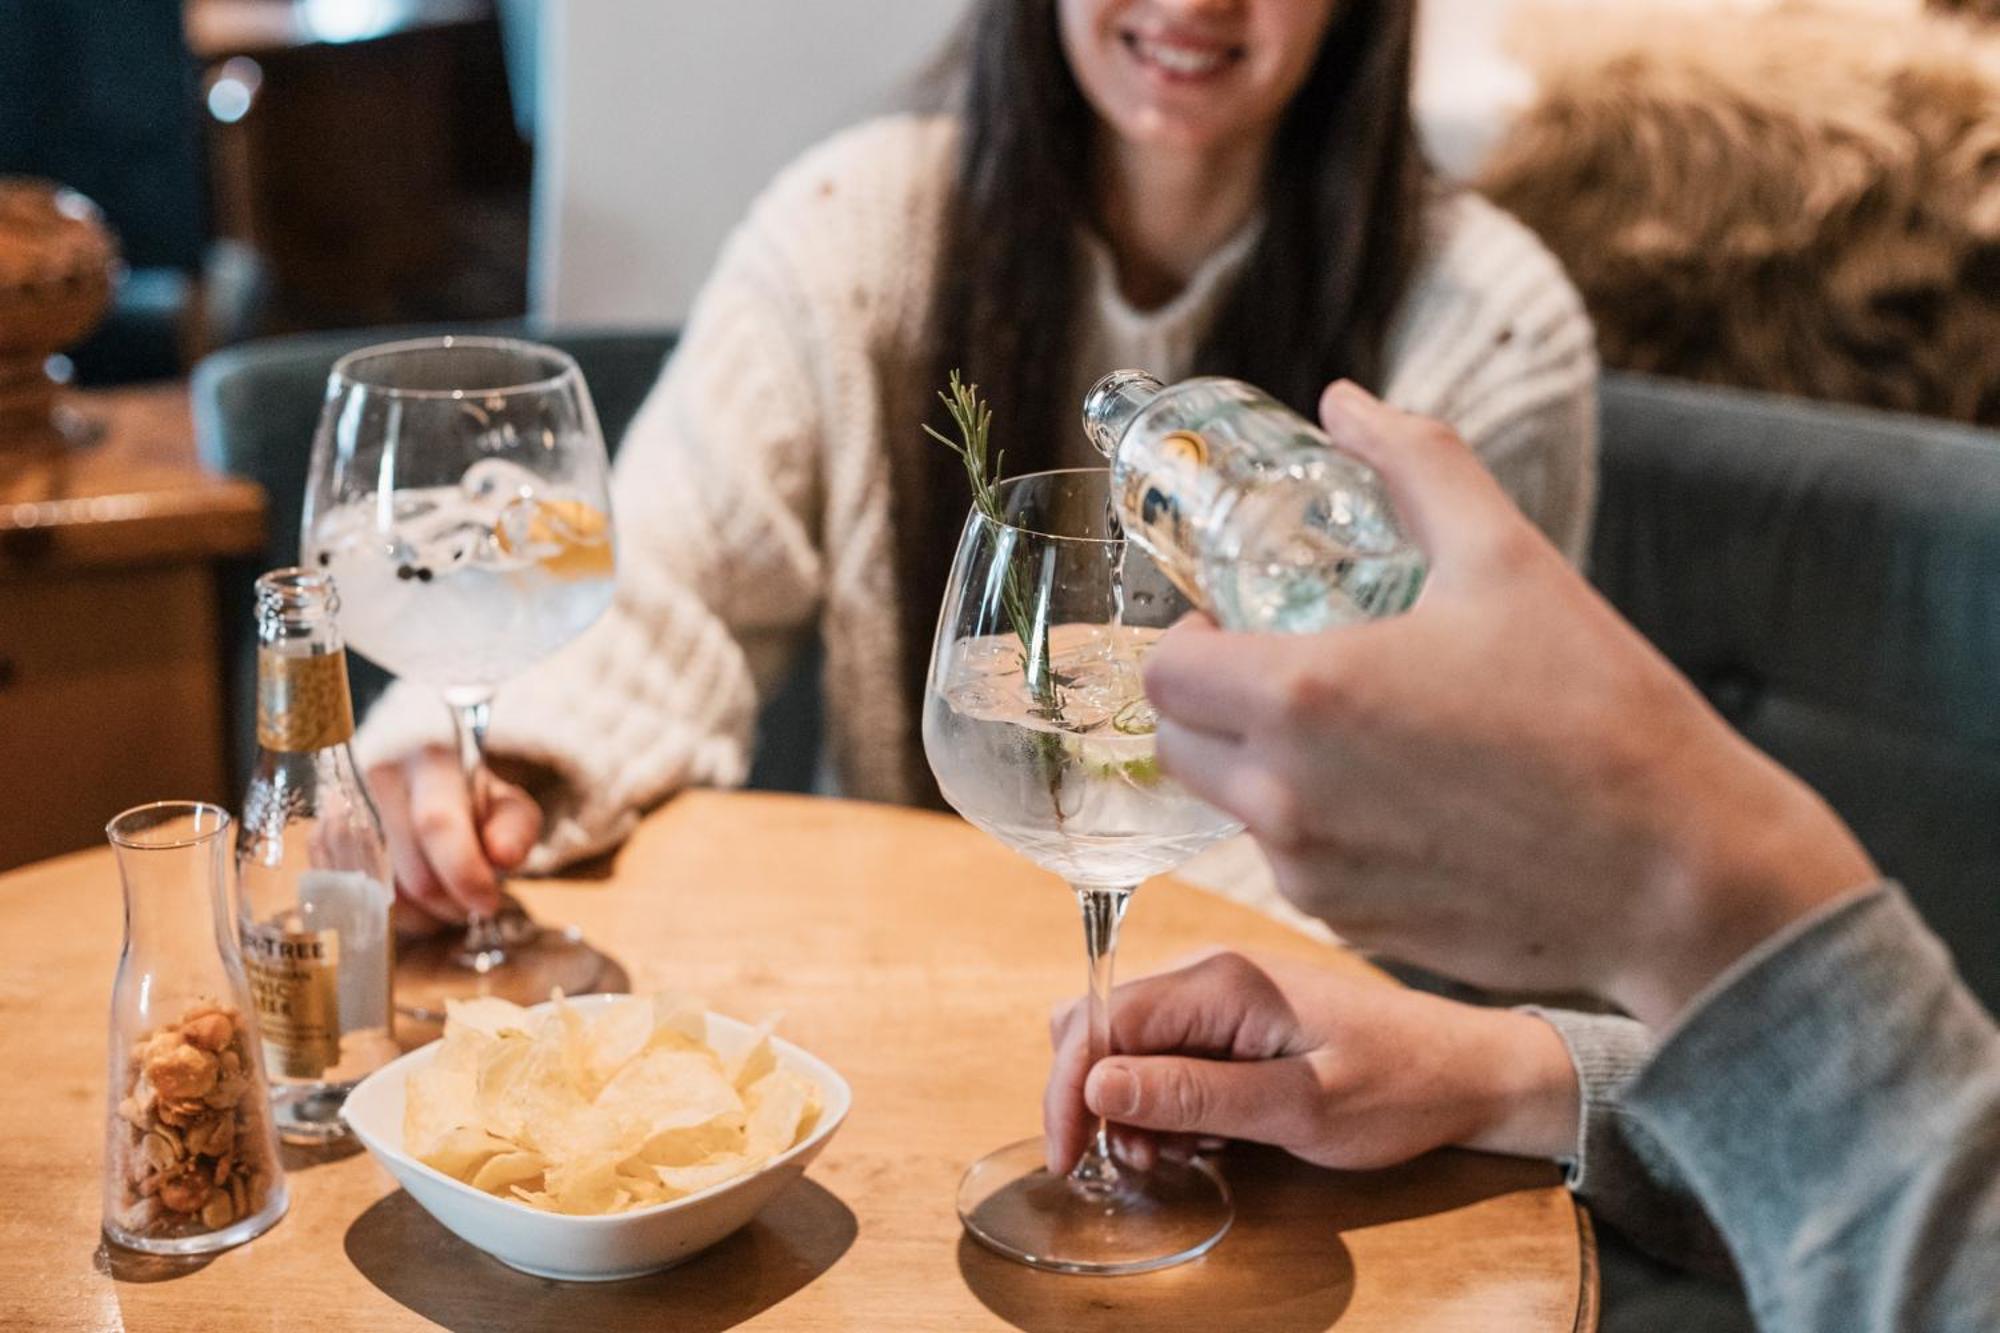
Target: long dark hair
(1342, 228)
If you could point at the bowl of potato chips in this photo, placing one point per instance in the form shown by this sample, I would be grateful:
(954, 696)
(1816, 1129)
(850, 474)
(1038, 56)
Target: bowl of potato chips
(597, 1138)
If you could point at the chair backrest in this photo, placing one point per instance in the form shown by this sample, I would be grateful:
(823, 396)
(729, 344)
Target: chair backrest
(1830, 577)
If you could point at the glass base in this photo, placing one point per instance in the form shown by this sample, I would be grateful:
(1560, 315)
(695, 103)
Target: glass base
(310, 1116)
(207, 1242)
(1144, 1220)
(537, 962)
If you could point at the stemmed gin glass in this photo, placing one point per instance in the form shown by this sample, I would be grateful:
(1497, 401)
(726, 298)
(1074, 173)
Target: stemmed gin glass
(459, 499)
(1037, 727)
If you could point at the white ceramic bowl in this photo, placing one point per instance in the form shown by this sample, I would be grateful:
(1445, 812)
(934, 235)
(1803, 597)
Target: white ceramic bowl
(592, 1249)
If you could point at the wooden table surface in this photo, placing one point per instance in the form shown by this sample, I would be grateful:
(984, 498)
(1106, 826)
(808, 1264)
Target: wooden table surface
(918, 958)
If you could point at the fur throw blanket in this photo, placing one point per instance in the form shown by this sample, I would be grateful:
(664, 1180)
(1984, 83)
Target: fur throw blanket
(1805, 200)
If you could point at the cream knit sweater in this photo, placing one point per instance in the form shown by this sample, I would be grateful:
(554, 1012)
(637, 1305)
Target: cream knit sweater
(752, 497)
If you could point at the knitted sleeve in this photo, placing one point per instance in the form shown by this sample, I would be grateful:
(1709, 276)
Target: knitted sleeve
(714, 498)
(1495, 340)
(1833, 1099)
(1618, 1168)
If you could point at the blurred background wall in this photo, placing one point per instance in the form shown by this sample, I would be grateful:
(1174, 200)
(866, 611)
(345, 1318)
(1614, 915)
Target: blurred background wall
(659, 122)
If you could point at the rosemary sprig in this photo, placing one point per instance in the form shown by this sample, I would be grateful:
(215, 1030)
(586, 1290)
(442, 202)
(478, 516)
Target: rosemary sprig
(973, 417)
(974, 420)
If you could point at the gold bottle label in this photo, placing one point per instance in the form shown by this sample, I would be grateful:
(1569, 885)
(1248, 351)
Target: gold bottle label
(302, 700)
(295, 984)
(1162, 497)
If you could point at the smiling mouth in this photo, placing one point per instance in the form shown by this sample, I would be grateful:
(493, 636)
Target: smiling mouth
(1180, 59)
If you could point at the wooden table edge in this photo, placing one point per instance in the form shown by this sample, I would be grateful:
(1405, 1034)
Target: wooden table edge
(1589, 1289)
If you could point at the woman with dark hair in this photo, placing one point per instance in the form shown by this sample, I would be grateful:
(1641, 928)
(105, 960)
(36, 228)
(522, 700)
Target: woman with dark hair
(1227, 186)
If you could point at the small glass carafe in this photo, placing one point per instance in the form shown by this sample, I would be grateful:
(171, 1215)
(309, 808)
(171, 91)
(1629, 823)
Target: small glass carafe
(190, 1157)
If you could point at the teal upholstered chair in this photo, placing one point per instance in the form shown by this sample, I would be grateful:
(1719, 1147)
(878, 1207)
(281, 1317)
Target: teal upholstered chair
(256, 406)
(1830, 577)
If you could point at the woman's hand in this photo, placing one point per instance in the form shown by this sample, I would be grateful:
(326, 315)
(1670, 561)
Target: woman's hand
(1507, 783)
(445, 866)
(1343, 1070)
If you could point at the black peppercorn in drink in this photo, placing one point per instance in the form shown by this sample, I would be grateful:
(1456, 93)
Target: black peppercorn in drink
(312, 868)
(473, 583)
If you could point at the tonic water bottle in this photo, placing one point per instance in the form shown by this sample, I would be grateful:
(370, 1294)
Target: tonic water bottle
(1248, 507)
(312, 868)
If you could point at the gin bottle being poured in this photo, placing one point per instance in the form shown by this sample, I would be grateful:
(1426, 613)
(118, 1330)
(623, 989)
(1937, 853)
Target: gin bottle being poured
(1248, 507)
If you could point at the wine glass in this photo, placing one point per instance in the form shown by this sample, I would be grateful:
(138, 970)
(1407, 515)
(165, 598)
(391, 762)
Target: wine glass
(459, 499)
(1037, 726)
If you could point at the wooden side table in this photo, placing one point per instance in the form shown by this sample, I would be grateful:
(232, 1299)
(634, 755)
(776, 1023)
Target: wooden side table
(110, 653)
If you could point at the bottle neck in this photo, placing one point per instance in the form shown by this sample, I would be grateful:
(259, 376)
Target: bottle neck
(297, 609)
(170, 862)
(302, 696)
(1113, 403)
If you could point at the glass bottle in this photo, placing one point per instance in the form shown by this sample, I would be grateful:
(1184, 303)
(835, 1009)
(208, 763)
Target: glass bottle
(1248, 507)
(312, 868)
(190, 1162)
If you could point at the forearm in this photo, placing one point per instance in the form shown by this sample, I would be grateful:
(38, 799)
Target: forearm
(1835, 1103)
(1736, 851)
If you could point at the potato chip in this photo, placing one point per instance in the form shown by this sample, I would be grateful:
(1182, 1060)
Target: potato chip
(505, 1170)
(778, 1104)
(681, 1180)
(697, 1143)
(756, 1061)
(524, 1087)
(618, 1032)
(460, 1152)
(669, 1090)
(442, 1096)
(488, 1015)
(622, 1106)
(585, 1185)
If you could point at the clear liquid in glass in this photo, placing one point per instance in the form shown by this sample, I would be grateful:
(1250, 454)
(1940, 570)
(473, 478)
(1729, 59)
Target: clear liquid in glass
(1078, 791)
(463, 587)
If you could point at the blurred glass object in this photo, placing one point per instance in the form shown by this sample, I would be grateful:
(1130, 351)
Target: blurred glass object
(352, 20)
(232, 88)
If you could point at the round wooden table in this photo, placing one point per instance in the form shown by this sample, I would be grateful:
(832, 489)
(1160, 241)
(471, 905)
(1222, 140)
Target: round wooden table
(916, 956)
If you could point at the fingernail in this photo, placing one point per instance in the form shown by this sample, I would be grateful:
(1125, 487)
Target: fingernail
(1114, 1092)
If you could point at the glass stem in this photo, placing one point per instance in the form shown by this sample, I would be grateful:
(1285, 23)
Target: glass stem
(484, 948)
(1103, 908)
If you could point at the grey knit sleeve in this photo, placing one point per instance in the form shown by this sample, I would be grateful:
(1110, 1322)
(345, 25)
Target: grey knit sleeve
(1834, 1101)
(1619, 1169)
